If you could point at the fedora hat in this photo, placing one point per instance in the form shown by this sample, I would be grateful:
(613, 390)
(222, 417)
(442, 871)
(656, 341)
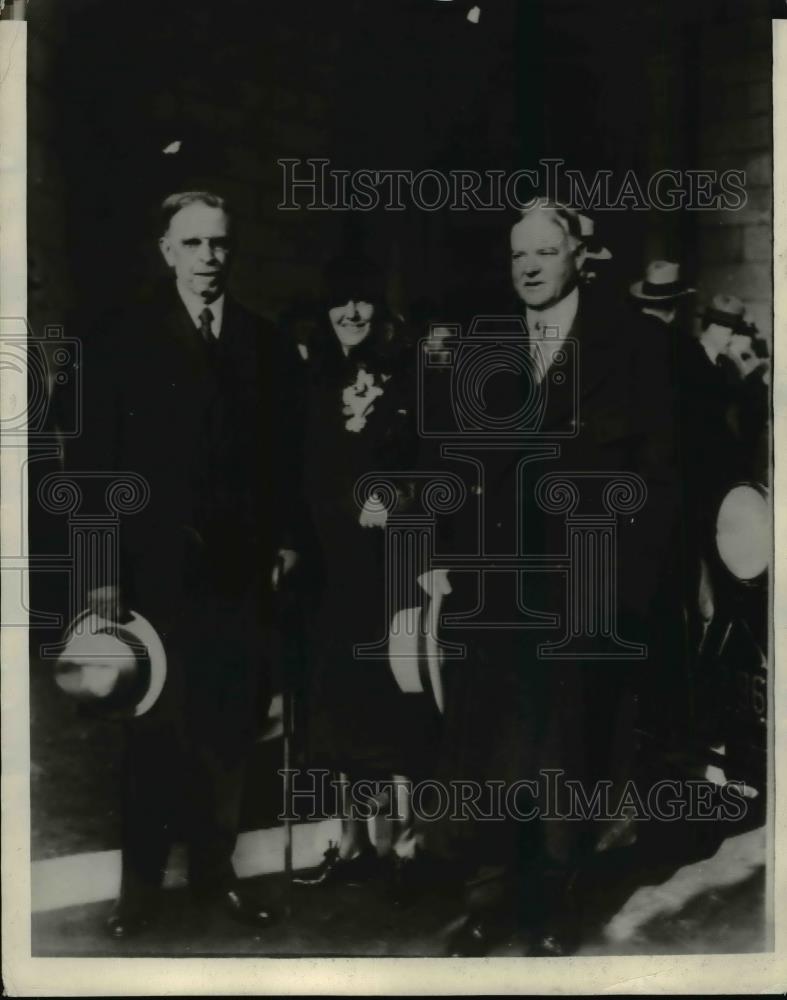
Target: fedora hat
(661, 283)
(726, 310)
(593, 250)
(118, 669)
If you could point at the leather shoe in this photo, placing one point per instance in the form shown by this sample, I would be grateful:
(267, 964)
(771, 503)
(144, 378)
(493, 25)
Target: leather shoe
(557, 930)
(129, 919)
(471, 940)
(554, 945)
(334, 870)
(245, 909)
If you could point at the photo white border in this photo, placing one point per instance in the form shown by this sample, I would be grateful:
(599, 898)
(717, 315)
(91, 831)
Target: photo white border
(27, 976)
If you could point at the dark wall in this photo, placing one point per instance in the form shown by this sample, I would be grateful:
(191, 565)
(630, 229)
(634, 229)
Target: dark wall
(394, 83)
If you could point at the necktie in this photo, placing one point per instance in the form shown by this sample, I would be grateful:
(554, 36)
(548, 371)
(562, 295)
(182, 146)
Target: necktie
(205, 325)
(537, 349)
(210, 342)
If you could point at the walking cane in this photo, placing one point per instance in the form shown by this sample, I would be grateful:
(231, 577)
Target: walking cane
(288, 728)
(433, 650)
(287, 719)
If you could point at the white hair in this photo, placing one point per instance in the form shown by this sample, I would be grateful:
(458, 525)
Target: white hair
(562, 216)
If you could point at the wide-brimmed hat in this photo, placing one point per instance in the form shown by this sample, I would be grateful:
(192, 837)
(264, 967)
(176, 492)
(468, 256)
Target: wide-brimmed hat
(352, 277)
(118, 669)
(413, 652)
(593, 250)
(662, 282)
(726, 310)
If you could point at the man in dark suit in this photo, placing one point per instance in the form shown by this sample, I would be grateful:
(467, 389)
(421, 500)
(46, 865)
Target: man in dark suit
(596, 408)
(709, 382)
(191, 391)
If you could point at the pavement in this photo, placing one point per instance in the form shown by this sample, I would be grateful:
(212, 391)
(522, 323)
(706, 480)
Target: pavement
(712, 905)
(682, 888)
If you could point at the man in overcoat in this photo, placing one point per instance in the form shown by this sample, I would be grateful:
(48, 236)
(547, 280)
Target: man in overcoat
(192, 392)
(577, 435)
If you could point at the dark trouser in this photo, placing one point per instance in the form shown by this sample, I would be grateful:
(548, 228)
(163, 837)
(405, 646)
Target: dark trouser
(173, 786)
(185, 759)
(490, 733)
(512, 717)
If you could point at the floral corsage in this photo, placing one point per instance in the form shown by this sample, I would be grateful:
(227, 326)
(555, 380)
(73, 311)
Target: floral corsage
(358, 399)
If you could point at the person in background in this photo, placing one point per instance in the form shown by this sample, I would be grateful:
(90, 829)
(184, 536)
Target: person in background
(661, 320)
(750, 354)
(712, 454)
(658, 296)
(595, 253)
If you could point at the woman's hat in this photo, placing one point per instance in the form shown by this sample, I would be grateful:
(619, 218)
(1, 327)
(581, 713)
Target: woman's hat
(593, 250)
(119, 669)
(662, 282)
(726, 310)
(352, 277)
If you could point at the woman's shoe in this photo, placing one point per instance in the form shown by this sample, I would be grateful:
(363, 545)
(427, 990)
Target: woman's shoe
(340, 871)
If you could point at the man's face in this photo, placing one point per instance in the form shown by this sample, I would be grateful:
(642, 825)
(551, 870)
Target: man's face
(720, 337)
(351, 321)
(197, 247)
(544, 267)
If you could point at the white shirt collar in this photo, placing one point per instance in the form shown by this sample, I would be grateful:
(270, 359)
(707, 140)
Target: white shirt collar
(195, 306)
(559, 317)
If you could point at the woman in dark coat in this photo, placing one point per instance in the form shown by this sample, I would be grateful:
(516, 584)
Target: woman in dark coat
(360, 419)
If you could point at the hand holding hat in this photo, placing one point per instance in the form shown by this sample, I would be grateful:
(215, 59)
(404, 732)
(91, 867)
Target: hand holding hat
(374, 513)
(435, 582)
(108, 602)
(91, 664)
(118, 669)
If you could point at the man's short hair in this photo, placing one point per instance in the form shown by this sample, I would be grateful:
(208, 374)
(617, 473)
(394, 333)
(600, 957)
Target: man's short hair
(563, 216)
(173, 203)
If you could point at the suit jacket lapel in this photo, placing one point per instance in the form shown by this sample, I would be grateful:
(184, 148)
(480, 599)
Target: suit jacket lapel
(592, 348)
(179, 322)
(187, 350)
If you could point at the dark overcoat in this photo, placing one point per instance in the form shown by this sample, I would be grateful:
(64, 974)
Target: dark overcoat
(606, 411)
(212, 432)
